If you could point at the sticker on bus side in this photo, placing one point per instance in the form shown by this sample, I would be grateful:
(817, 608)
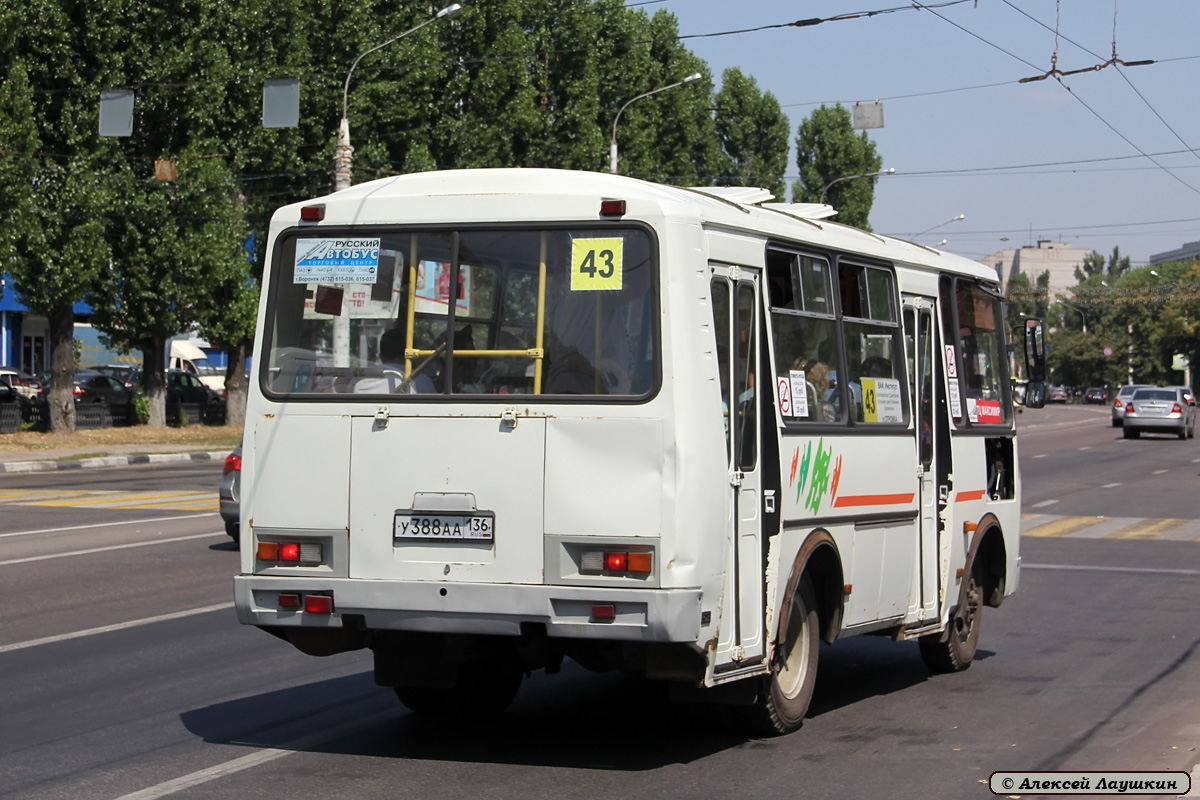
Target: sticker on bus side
(596, 264)
(881, 400)
(336, 261)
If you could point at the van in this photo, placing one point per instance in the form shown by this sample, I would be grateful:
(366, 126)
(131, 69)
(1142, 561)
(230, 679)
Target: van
(188, 357)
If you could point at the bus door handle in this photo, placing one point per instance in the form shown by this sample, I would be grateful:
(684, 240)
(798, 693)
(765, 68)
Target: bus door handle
(381, 418)
(736, 477)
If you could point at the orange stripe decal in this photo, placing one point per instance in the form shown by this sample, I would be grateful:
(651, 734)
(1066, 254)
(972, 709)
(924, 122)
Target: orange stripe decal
(966, 497)
(847, 501)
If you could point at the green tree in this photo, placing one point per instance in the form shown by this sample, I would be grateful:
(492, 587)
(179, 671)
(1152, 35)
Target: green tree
(827, 148)
(752, 131)
(54, 198)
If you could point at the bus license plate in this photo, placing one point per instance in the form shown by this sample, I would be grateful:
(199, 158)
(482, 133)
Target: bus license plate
(464, 527)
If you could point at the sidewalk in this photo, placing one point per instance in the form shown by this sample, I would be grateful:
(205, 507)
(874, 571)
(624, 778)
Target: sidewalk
(115, 455)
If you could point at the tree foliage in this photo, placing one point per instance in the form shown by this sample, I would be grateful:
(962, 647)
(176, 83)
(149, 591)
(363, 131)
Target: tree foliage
(534, 83)
(827, 149)
(752, 131)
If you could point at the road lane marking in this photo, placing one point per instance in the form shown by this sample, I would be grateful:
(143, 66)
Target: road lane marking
(1187, 573)
(261, 757)
(1042, 455)
(1147, 529)
(119, 626)
(1110, 485)
(1044, 503)
(89, 526)
(1159, 472)
(1063, 526)
(89, 551)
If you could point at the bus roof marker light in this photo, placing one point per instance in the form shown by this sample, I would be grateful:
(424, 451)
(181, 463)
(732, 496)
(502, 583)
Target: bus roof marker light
(312, 213)
(612, 208)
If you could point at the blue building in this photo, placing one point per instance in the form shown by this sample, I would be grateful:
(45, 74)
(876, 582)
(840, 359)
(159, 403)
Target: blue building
(25, 336)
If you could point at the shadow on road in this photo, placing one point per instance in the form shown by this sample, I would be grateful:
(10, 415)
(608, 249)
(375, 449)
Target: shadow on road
(571, 720)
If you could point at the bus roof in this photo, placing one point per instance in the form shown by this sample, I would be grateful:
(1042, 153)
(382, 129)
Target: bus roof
(487, 195)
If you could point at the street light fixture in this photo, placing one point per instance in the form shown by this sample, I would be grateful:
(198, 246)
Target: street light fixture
(343, 164)
(612, 150)
(343, 155)
(1078, 310)
(940, 224)
(888, 171)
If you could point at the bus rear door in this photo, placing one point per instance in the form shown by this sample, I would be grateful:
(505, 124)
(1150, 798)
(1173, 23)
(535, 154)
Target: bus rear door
(735, 310)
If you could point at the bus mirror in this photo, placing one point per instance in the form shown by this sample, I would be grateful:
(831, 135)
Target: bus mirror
(1035, 394)
(1035, 351)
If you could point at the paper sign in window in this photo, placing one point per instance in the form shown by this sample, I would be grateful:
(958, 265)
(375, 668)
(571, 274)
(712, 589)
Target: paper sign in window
(596, 264)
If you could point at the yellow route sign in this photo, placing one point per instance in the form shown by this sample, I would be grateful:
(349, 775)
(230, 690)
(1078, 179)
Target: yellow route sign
(596, 264)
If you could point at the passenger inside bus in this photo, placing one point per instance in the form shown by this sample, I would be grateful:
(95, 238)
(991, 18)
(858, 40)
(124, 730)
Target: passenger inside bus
(392, 379)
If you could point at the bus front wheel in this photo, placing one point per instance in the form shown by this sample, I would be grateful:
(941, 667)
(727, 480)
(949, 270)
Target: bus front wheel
(953, 649)
(784, 695)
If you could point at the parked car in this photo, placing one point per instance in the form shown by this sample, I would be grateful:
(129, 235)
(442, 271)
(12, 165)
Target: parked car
(229, 494)
(1159, 410)
(184, 387)
(1097, 395)
(1123, 395)
(93, 388)
(129, 374)
(1058, 394)
(21, 382)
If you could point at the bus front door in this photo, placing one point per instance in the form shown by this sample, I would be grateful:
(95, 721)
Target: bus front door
(919, 317)
(736, 322)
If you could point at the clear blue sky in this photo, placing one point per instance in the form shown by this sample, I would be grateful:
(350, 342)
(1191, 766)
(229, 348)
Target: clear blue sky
(952, 102)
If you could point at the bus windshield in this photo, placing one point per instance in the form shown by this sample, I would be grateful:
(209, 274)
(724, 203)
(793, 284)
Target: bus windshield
(463, 313)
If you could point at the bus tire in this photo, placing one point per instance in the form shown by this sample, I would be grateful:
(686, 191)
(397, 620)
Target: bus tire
(784, 695)
(484, 688)
(953, 649)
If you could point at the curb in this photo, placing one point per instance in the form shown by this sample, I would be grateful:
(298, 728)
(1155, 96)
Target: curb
(111, 461)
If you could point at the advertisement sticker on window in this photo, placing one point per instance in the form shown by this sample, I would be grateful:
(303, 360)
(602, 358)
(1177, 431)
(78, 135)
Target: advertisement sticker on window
(352, 260)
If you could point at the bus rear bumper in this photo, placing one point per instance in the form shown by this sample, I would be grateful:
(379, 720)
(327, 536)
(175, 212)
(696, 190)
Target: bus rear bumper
(646, 615)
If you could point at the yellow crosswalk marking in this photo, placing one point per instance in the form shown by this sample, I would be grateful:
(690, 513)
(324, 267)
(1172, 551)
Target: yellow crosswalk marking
(1147, 529)
(1063, 526)
(114, 500)
(174, 501)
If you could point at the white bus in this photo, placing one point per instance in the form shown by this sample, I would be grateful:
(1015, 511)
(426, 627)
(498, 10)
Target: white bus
(506, 417)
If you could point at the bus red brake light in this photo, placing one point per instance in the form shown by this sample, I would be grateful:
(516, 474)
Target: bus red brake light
(289, 552)
(616, 562)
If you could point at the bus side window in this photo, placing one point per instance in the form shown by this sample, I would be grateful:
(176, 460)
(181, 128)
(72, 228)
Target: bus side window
(804, 331)
(874, 353)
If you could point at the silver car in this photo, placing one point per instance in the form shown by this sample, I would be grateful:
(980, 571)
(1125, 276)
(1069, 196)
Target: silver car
(229, 494)
(1122, 399)
(1164, 410)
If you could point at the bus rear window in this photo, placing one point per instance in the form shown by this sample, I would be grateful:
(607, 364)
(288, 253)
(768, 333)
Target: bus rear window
(466, 313)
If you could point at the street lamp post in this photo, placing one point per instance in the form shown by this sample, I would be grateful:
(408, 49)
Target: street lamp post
(343, 164)
(612, 150)
(888, 171)
(1078, 310)
(343, 155)
(940, 224)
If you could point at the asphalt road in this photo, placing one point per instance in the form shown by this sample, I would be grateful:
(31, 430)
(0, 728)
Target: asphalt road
(126, 674)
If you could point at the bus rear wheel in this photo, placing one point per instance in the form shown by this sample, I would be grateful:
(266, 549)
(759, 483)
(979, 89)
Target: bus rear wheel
(953, 649)
(785, 694)
(484, 688)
